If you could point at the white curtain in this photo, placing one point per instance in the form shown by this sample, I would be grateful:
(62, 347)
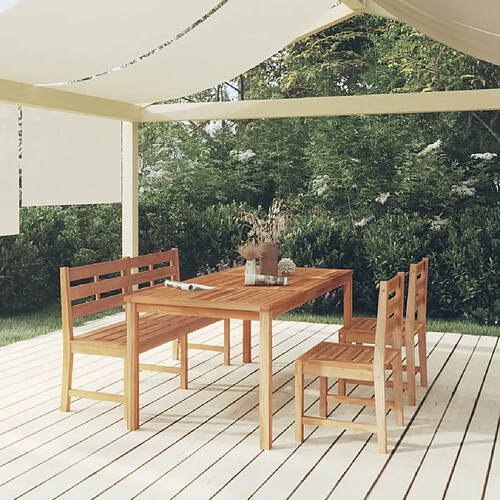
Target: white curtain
(70, 159)
(9, 170)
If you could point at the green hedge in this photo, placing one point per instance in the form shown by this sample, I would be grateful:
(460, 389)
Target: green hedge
(52, 237)
(464, 271)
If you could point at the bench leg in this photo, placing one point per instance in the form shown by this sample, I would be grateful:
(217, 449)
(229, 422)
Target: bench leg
(184, 362)
(67, 378)
(175, 350)
(125, 385)
(227, 342)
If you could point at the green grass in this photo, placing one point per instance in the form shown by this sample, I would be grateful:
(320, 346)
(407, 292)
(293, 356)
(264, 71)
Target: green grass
(33, 324)
(48, 319)
(433, 325)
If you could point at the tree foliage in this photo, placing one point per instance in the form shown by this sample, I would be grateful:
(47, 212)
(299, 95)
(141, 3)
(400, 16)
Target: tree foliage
(371, 193)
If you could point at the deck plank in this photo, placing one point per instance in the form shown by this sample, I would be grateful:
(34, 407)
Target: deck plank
(301, 459)
(194, 419)
(401, 467)
(204, 441)
(469, 474)
(436, 467)
(492, 486)
(81, 415)
(245, 440)
(340, 453)
(158, 417)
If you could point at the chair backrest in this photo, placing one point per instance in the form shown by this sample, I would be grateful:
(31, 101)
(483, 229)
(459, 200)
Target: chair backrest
(154, 268)
(416, 305)
(389, 316)
(91, 289)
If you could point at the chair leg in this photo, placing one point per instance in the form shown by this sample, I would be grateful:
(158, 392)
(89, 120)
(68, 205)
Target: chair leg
(422, 358)
(184, 362)
(227, 342)
(175, 350)
(410, 372)
(380, 409)
(323, 402)
(397, 371)
(67, 379)
(299, 401)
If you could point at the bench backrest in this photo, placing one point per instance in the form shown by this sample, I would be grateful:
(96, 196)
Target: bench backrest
(154, 268)
(103, 286)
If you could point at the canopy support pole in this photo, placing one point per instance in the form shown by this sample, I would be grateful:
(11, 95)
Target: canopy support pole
(130, 189)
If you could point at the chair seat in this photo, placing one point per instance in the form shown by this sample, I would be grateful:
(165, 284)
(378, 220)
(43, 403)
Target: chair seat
(154, 330)
(363, 330)
(345, 355)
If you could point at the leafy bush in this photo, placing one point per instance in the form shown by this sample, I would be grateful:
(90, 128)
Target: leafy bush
(203, 236)
(52, 237)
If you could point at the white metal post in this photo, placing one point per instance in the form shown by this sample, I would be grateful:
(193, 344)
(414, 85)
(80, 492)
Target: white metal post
(130, 189)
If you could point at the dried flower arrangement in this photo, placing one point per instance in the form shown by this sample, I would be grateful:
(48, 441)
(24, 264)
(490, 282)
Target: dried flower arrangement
(268, 229)
(250, 250)
(286, 266)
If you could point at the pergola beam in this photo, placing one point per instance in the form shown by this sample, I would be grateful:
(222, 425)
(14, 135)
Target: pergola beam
(413, 102)
(22, 94)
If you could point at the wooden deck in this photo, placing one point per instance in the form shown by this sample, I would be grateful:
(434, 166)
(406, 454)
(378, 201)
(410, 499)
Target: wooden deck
(203, 442)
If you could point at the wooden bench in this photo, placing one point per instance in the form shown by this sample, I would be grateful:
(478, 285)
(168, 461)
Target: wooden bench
(95, 288)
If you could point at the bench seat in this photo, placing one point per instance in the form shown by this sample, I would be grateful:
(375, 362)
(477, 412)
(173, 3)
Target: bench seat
(154, 330)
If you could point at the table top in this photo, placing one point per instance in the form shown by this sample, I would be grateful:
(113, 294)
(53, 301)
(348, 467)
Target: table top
(231, 298)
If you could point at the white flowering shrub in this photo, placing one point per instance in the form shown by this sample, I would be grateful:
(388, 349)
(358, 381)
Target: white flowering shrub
(483, 156)
(382, 198)
(463, 189)
(431, 147)
(320, 184)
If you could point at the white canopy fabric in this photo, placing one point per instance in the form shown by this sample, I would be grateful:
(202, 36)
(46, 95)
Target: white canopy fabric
(58, 41)
(238, 36)
(70, 159)
(470, 26)
(51, 41)
(9, 171)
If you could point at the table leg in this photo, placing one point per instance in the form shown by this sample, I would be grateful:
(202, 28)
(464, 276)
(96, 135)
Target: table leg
(348, 301)
(227, 342)
(247, 341)
(132, 367)
(266, 382)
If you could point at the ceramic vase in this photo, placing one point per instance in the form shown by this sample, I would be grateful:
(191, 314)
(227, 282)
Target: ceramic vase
(251, 267)
(269, 259)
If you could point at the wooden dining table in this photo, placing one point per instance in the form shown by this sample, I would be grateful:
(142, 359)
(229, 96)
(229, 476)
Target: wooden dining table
(231, 299)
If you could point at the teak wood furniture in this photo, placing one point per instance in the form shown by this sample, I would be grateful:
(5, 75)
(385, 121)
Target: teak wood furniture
(367, 363)
(99, 287)
(362, 330)
(230, 299)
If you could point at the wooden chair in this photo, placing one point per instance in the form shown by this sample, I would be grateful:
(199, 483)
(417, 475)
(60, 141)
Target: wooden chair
(99, 287)
(359, 362)
(362, 330)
